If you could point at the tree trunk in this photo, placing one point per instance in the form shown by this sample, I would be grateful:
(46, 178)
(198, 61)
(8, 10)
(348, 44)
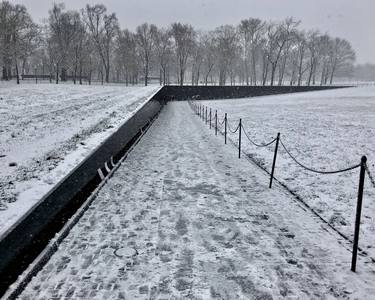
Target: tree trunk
(75, 74)
(253, 67)
(332, 74)
(265, 70)
(17, 75)
(273, 70)
(106, 74)
(4, 77)
(247, 71)
(146, 72)
(57, 73)
(181, 76)
(63, 74)
(310, 73)
(282, 71)
(80, 73)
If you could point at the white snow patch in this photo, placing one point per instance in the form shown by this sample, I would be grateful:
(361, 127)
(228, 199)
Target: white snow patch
(47, 130)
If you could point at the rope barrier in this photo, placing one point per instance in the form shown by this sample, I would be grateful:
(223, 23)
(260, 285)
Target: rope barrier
(258, 145)
(317, 171)
(229, 127)
(370, 176)
(293, 157)
(363, 170)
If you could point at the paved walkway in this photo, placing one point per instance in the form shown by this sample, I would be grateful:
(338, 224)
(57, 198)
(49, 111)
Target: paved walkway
(184, 218)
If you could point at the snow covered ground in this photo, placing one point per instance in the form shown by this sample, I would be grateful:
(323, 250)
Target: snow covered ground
(47, 129)
(184, 218)
(326, 130)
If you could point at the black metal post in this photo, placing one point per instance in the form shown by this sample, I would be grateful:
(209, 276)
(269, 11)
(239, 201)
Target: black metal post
(215, 122)
(206, 115)
(274, 158)
(225, 128)
(210, 118)
(239, 138)
(358, 212)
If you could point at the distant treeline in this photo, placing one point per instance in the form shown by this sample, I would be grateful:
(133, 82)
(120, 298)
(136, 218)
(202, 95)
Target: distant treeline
(365, 72)
(90, 45)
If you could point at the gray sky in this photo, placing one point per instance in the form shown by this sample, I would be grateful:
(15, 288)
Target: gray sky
(350, 19)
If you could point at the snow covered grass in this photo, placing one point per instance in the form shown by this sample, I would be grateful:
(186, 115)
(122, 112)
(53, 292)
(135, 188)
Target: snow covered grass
(47, 129)
(326, 130)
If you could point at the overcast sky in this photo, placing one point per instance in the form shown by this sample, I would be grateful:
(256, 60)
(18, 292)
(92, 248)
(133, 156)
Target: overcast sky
(350, 19)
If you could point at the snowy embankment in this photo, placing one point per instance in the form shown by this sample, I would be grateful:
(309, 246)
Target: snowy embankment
(184, 218)
(46, 130)
(327, 130)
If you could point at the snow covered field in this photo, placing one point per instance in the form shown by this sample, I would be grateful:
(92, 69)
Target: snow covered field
(326, 130)
(184, 218)
(47, 129)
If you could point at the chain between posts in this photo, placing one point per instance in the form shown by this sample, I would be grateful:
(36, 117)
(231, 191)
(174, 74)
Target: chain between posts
(314, 170)
(362, 165)
(230, 130)
(372, 180)
(256, 144)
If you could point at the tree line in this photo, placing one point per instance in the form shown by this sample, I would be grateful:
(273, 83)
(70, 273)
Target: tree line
(90, 45)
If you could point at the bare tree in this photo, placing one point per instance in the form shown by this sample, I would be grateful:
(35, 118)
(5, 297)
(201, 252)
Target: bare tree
(103, 29)
(286, 56)
(18, 37)
(278, 37)
(197, 59)
(209, 54)
(163, 49)
(342, 56)
(6, 12)
(183, 36)
(325, 43)
(145, 38)
(127, 57)
(252, 31)
(226, 40)
(92, 44)
(313, 48)
(301, 46)
(80, 41)
(63, 28)
(30, 42)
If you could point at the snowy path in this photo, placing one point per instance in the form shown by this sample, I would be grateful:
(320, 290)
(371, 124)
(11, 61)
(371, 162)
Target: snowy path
(46, 130)
(183, 217)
